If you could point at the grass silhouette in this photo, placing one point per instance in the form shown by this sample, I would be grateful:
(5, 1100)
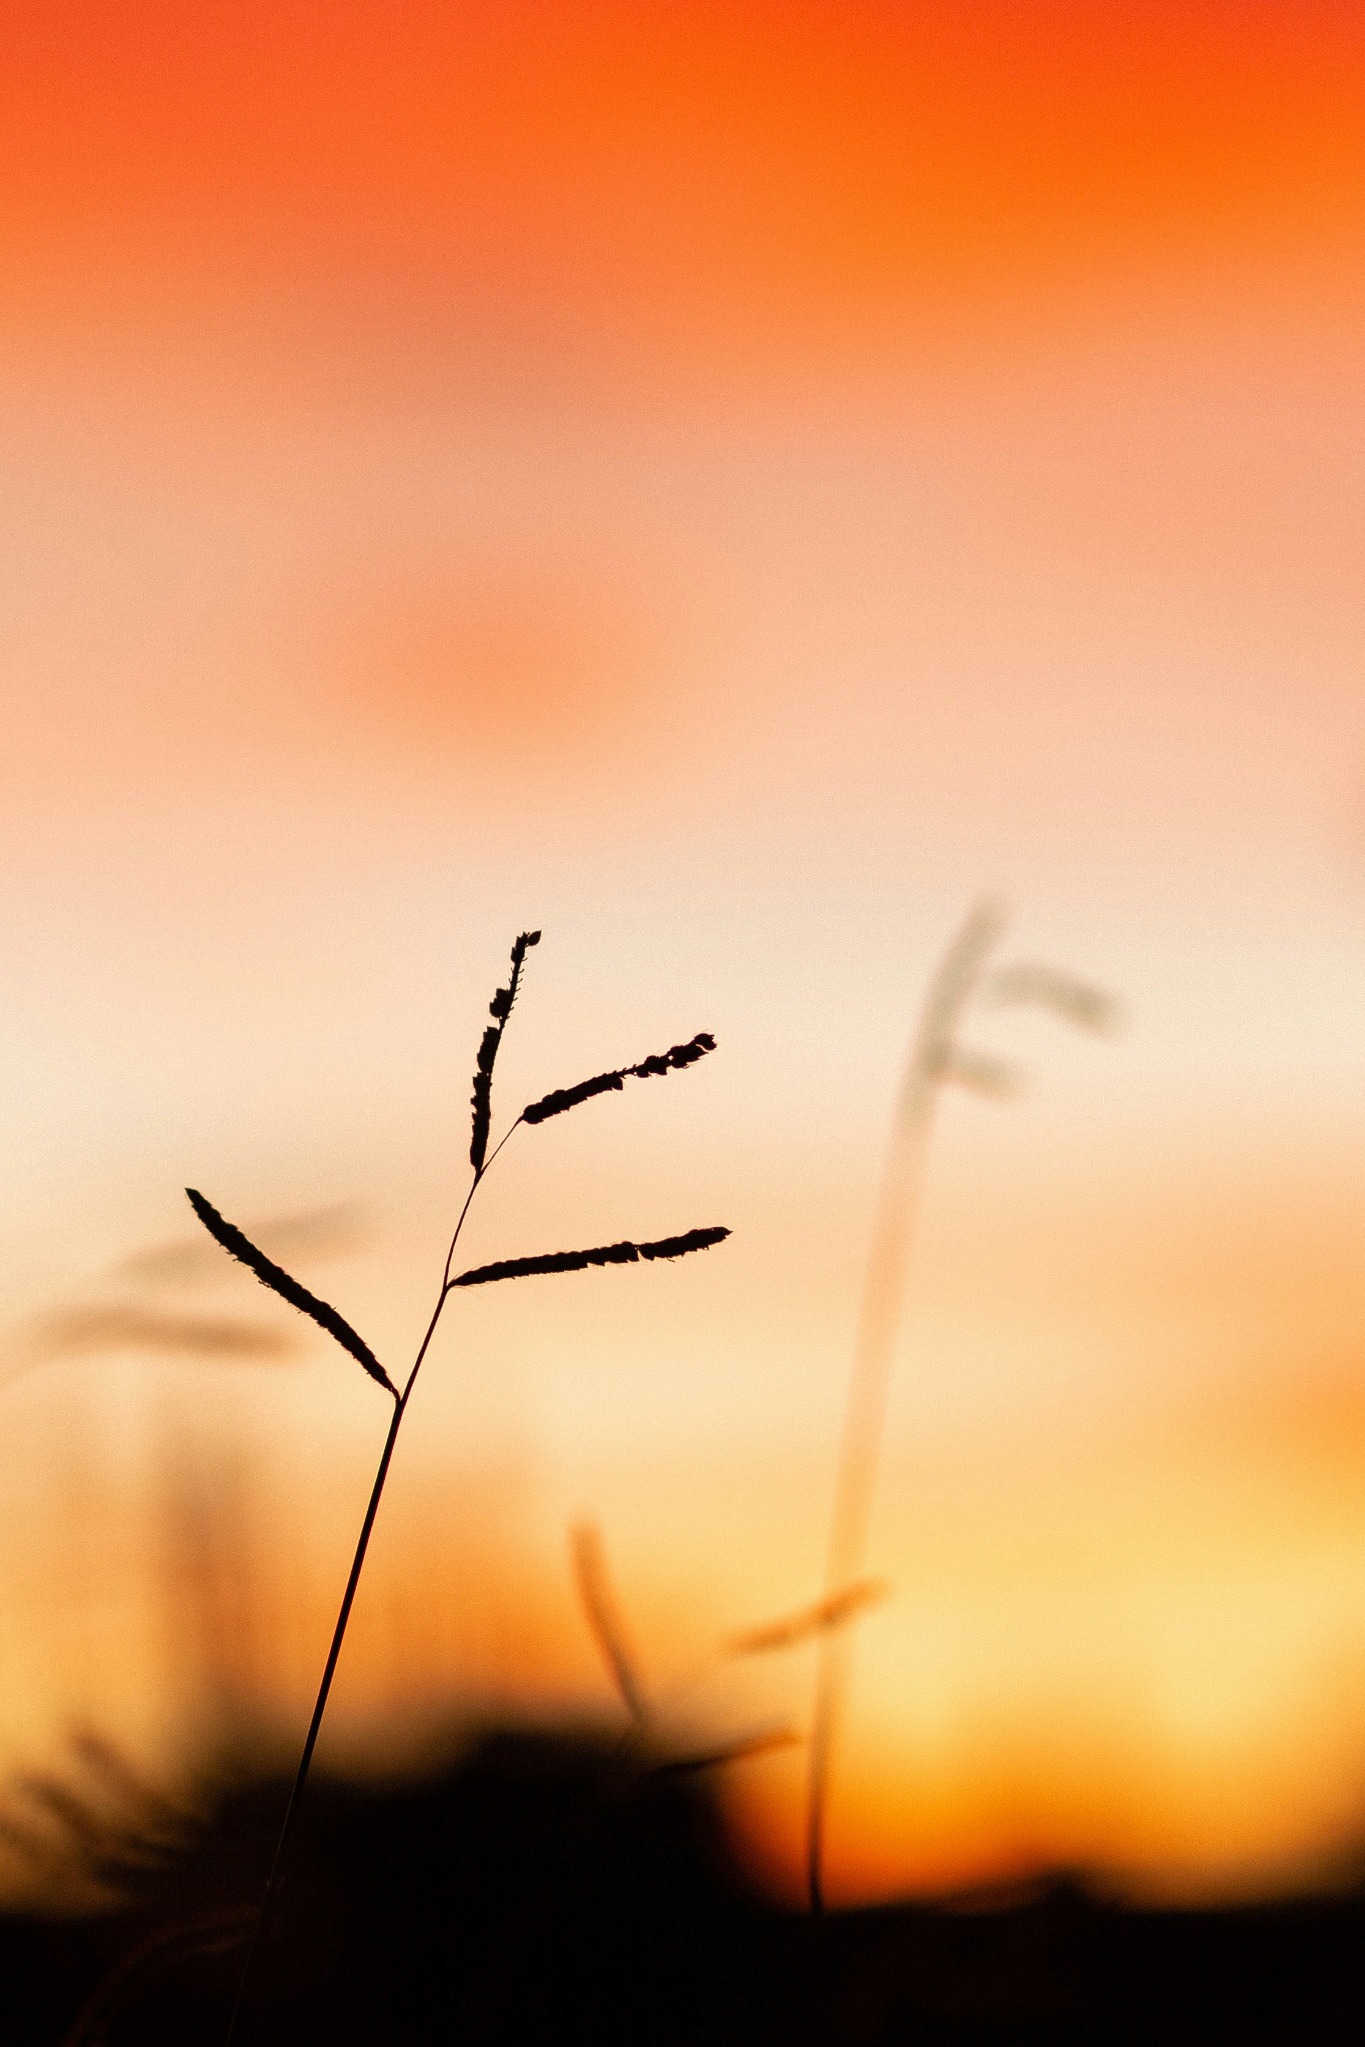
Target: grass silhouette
(964, 980)
(607, 1625)
(130, 1311)
(328, 1318)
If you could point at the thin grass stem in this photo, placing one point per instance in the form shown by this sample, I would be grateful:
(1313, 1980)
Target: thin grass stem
(874, 1346)
(270, 1902)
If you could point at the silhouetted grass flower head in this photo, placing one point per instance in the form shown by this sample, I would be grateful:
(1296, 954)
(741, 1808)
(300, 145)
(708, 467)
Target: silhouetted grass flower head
(674, 1060)
(602, 1254)
(289, 1289)
(500, 1008)
(625, 1252)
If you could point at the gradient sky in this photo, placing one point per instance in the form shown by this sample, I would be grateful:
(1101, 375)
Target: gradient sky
(727, 485)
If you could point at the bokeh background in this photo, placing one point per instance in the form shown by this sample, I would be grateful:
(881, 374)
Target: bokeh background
(725, 484)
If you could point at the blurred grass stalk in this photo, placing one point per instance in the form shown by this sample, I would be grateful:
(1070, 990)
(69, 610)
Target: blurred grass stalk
(937, 1056)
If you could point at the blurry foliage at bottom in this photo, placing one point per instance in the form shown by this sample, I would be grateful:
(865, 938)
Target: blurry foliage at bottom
(547, 1888)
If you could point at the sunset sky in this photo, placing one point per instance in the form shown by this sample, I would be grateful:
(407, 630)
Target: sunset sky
(729, 486)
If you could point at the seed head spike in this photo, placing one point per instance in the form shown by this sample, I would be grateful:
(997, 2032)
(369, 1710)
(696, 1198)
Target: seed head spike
(602, 1254)
(280, 1282)
(500, 1008)
(824, 1615)
(674, 1060)
(1069, 997)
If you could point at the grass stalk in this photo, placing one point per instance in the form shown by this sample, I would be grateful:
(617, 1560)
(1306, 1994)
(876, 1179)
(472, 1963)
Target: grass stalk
(936, 1057)
(321, 1312)
(270, 1902)
(879, 1314)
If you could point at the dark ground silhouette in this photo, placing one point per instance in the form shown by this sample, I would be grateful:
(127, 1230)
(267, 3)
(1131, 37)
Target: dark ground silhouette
(543, 1889)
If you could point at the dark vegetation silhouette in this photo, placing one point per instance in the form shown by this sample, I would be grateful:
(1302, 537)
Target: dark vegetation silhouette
(279, 1281)
(577, 1883)
(545, 1886)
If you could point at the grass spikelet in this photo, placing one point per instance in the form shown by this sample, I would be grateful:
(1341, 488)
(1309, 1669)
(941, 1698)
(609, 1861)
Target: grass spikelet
(761, 1742)
(602, 1254)
(279, 1281)
(978, 1071)
(500, 1008)
(678, 1247)
(564, 1098)
(1031, 983)
(604, 1617)
(119, 1325)
(832, 1611)
(675, 1060)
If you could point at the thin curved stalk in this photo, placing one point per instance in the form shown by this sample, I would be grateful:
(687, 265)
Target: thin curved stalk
(270, 1902)
(874, 1347)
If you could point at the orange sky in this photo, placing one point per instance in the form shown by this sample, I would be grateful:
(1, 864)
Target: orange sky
(726, 484)
(685, 171)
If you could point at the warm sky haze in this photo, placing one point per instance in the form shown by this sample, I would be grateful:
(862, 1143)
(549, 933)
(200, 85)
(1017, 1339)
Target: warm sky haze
(730, 486)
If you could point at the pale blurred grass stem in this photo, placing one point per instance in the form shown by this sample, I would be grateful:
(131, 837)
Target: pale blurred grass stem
(937, 1056)
(893, 1233)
